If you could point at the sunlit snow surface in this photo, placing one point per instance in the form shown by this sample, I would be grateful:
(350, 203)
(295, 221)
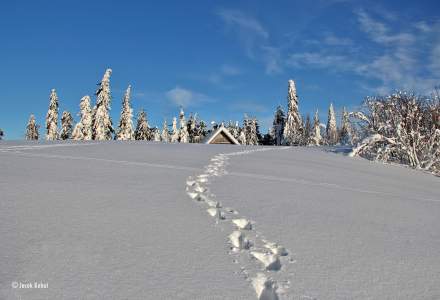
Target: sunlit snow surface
(115, 221)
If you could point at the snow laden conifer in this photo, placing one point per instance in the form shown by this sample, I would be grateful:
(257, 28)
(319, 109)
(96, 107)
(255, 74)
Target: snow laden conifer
(345, 134)
(83, 129)
(316, 138)
(293, 129)
(277, 130)
(102, 123)
(165, 136)
(183, 132)
(66, 125)
(251, 130)
(307, 131)
(125, 128)
(331, 129)
(143, 131)
(175, 132)
(156, 134)
(52, 117)
(32, 129)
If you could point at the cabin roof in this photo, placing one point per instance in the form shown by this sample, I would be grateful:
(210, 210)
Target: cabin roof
(210, 138)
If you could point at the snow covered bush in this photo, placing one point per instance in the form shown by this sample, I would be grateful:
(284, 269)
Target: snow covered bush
(402, 128)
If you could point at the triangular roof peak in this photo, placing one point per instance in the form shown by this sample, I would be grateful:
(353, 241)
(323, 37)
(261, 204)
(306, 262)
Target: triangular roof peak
(221, 136)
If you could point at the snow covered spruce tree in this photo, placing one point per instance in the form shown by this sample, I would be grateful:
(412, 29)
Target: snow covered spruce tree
(242, 137)
(251, 131)
(315, 138)
(165, 136)
(32, 129)
(83, 129)
(307, 131)
(191, 128)
(345, 134)
(175, 132)
(52, 117)
(102, 123)
(183, 132)
(293, 129)
(402, 128)
(143, 131)
(66, 125)
(156, 134)
(277, 130)
(125, 128)
(331, 129)
(234, 128)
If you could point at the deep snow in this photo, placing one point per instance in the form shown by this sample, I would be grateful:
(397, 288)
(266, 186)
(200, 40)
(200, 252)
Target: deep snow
(114, 221)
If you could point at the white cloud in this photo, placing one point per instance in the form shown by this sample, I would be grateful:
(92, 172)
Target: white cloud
(185, 98)
(380, 32)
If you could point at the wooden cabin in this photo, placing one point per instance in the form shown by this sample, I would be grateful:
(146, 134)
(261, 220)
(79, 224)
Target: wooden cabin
(221, 136)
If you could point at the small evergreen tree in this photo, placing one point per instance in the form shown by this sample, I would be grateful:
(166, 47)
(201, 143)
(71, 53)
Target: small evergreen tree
(52, 117)
(293, 130)
(183, 132)
(331, 129)
(125, 131)
(242, 137)
(175, 132)
(66, 125)
(251, 130)
(32, 129)
(345, 135)
(278, 124)
(83, 129)
(316, 138)
(191, 128)
(1, 134)
(142, 132)
(102, 123)
(203, 129)
(156, 134)
(165, 136)
(307, 131)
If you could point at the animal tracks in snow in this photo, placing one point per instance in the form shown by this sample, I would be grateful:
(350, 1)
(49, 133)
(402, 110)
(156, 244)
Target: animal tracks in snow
(262, 262)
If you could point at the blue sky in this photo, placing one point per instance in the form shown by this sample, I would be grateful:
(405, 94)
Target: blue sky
(220, 59)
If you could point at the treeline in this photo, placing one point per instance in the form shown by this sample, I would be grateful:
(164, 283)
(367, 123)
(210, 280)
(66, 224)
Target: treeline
(95, 123)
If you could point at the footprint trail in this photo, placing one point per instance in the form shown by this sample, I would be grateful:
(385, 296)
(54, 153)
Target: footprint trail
(262, 262)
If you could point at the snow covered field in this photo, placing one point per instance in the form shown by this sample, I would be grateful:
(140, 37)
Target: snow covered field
(117, 221)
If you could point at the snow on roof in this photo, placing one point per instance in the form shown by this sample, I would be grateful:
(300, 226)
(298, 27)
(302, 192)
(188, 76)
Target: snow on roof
(219, 130)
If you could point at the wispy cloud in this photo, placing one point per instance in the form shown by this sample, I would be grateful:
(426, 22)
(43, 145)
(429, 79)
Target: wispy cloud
(254, 37)
(218, 77)
(407, 58)
(184, 97)
(245, 23)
